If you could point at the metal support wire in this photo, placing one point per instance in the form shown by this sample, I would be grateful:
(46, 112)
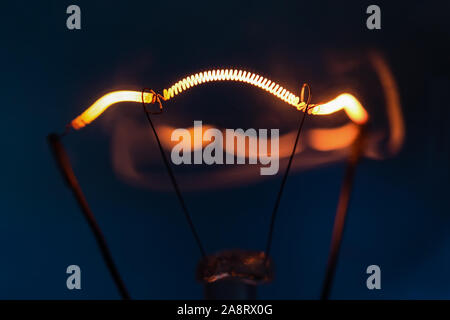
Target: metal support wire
(286, 172)
(157, 98)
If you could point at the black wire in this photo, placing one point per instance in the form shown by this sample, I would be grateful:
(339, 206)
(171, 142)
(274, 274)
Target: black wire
(341, 213)
(286, 173)
(175, 185)
(64, 165)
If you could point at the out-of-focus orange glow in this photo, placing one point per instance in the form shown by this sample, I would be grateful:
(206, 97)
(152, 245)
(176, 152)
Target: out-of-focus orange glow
(285, 141)
(99, 106)
(393, 105)
(165, 135)
(345, 101)
(333, 138)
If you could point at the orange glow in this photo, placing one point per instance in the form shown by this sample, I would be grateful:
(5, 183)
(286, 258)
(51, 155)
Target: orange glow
(393, 105)
(332, 139)
(165, 135)
(345, 101)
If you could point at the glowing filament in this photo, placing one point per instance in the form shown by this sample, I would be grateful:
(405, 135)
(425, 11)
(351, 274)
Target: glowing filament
(232, 75)
(99, 106)
(345, 101)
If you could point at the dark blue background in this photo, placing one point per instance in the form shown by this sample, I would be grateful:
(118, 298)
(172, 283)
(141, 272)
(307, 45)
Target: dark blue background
(399, 216)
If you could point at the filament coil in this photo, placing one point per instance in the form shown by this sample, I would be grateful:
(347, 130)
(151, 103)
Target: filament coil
(233, 75)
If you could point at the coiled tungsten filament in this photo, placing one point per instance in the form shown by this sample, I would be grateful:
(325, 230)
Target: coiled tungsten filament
(344, 101)
(232, 75)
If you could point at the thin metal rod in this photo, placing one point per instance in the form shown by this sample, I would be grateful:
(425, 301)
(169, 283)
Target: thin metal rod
(176, 187)
(341, 213)
(63, 162)
(286, 174)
